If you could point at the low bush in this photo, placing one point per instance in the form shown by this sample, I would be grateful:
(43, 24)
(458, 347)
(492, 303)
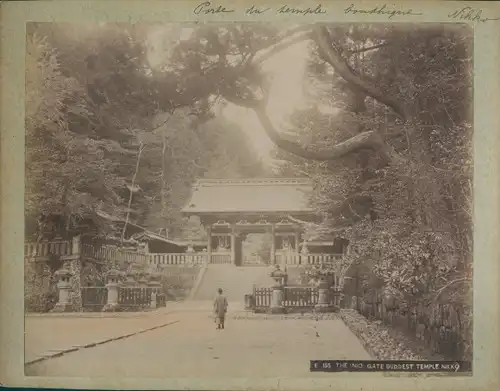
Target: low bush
(382, 342)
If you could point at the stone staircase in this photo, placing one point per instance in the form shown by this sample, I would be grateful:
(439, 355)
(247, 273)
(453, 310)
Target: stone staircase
(236, 281)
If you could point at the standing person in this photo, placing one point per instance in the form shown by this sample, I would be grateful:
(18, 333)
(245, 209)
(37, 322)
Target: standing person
(220, 309)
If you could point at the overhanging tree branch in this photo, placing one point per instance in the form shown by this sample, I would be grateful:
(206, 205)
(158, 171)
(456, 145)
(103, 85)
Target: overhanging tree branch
(449, 284)
(365, 140)
(367, 49)
(322, 38)
(280, 46)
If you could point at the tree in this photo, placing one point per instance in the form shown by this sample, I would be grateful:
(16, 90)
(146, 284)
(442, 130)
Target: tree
(131, 145)
(398, 211)
(383, 166)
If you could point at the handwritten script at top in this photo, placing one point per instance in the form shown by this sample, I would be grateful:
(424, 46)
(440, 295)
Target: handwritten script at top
(464, 13)
(382, 10)
(471, 14)
(301, 11)
(253, 10)
(206, 8)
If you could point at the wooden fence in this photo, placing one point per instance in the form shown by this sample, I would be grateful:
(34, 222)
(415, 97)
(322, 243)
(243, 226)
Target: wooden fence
(294, 297)
(262, 297)
(440, 327)
(94, 298)
(134, 297)
(300, 296)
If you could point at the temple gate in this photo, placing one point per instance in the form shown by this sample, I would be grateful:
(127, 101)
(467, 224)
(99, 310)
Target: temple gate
(230, 209)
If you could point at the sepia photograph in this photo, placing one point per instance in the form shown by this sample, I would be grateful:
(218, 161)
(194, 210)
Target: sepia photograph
(219, 200)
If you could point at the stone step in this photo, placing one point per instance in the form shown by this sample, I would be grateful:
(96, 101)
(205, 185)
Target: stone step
(236, 281)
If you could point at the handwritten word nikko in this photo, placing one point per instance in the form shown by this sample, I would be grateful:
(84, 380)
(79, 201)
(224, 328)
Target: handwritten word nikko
(471, 14)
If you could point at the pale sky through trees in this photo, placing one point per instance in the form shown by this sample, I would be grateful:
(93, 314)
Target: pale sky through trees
(286, 94)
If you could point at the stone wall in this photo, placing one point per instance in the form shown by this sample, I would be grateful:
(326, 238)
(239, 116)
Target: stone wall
(40, 292)
(75, 267)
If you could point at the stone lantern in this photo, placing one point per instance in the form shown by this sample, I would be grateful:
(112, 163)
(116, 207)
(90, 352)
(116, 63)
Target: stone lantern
(112, 286)
(64, 303)
(130, 278)
(279, 277)
(121, 276)
(143, 281)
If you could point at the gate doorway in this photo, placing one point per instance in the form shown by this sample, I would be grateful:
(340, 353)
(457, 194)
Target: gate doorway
(256, 249)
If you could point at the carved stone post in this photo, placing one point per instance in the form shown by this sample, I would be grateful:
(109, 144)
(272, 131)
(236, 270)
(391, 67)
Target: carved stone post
(75, 245)
(190, 256)
(304, 254)
(323, 296)
(337, 296)
(209, 244)
(112, 287)
(155, 286)
(64, 286)
(277, 300)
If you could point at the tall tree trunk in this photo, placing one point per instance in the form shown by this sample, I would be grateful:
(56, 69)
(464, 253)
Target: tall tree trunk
(131, 190)
(163, 168)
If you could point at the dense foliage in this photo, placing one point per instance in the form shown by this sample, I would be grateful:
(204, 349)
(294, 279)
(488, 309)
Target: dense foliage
(107, 131)
(408, 218)
(385, 135)
(115, 123)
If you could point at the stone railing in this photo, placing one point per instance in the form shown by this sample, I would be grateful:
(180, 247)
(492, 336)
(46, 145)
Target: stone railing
(187, 258)
(74, 248)
(220, 258)
(176, 258)
(318, 259)
(306, 259)
(45, 249)
(113, 254)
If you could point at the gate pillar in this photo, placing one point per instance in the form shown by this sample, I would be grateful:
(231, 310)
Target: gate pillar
(273, 245)
(233, 244)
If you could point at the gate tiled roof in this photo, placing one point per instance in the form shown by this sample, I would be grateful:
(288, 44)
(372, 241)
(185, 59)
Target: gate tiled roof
(256, 195)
